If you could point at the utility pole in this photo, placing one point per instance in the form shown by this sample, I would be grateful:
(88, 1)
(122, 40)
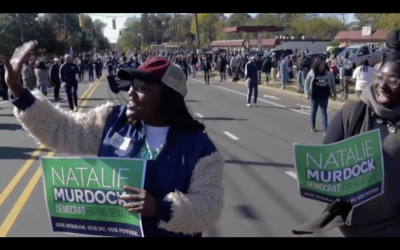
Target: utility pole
(176, 32)
(65, 30)
(343, 21)
(197, 32)
(20, 19)
(162, 34)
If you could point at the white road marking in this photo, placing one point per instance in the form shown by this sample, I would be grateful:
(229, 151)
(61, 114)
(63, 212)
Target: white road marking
(259, 99)
(291, 174)
(3, 102)
(199, 115)
(231, 136)
(271, 96)
(308, 108)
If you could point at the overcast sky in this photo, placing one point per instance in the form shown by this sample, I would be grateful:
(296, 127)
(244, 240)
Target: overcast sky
(120, 18)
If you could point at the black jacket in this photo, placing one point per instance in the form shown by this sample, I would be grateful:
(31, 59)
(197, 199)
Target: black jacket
(68, 72)
(54, 73)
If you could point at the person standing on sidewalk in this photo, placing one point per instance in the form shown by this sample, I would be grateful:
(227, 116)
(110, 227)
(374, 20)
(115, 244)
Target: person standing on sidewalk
(363, 75)
(274, 67)
(193, 61)
(284, 71)
(251, 76)
(319, 86)
(345, 72)
(221, 67)
(304, 68)
(54, 73)
(266, 68)
(69, 73)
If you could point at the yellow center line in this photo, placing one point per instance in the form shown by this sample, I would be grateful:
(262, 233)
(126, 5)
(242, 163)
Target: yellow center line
(16, 209)
(10, 187)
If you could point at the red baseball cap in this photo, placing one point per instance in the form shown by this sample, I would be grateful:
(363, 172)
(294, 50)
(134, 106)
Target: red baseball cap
(158, 69)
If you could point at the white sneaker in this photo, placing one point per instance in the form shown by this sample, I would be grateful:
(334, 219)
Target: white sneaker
(248, 105)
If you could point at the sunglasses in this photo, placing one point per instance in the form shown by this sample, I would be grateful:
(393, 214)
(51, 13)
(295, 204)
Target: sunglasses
(393, 82)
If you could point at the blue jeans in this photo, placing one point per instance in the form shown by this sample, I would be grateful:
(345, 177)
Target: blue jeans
(301, 78)
(323, 105)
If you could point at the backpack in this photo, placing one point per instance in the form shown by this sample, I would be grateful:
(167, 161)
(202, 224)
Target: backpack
(305, 63)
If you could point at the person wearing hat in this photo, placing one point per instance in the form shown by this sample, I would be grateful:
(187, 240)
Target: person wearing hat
(183, 191)
(55, 78)
(69, 73)
(251, 76)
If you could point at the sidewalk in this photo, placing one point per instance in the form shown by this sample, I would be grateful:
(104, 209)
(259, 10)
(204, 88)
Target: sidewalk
(291, 90)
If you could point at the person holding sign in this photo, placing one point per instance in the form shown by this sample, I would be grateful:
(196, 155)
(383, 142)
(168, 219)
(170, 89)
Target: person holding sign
(378, 109)
(183, 191)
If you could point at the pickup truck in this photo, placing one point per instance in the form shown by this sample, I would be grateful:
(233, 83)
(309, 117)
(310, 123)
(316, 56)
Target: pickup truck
(358, 54)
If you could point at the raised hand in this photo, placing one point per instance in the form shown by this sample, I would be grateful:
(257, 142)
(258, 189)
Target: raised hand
(14, 66)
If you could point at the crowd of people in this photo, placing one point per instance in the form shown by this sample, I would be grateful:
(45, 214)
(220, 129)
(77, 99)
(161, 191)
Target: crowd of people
(183, 192)
(65, 72)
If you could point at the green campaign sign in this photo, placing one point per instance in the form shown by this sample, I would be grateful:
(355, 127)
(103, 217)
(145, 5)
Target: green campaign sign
(351, 170)
(82, 195)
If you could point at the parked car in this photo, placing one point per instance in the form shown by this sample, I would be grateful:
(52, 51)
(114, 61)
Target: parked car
(358, 54)
(336, 50)
(278, 52)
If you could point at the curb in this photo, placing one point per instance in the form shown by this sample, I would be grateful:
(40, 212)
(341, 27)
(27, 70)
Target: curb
(334, 105)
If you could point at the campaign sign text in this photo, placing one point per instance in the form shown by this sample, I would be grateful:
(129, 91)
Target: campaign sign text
(351, 170)
(82, 195)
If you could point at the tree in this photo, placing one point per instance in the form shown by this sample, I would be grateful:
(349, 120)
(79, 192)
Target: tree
(365, 19)
(55, 32)
(389, 21)
(129, 39)
(237, 19)
(321, 28)
(207, 27)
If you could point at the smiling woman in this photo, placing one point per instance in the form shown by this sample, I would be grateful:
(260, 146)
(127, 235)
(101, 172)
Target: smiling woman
(379, 108)
(183, 192)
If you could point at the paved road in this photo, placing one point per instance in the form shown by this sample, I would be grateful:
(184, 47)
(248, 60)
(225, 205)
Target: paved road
(261, 192)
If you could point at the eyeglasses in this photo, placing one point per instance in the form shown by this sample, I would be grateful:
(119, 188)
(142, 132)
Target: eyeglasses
(393, 82)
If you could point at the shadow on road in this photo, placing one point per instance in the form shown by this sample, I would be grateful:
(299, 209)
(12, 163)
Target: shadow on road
(247, 212)
(7, 115)
(264, 164)
(193, 101)
(10, 126)
(221, 119)
(15, 153)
